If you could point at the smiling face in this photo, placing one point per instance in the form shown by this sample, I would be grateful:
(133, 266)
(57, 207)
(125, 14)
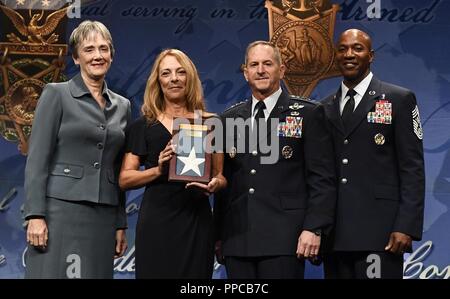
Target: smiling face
(172, 77)
(354, 55)
(262, 72)
(94, 56)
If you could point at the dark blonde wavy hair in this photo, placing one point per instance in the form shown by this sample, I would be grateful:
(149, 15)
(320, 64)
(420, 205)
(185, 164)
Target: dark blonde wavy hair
(154, 104)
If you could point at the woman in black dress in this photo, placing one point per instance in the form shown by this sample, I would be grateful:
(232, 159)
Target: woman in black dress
(174, 233)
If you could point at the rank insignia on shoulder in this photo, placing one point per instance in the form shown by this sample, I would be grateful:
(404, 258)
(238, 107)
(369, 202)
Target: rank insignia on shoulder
(299, 98)
(235, 105)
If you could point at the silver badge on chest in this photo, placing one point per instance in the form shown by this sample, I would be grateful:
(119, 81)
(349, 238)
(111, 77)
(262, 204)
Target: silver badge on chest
(287, 152)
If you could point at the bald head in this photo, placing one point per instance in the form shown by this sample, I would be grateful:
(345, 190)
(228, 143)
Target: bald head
(354, 55)
(358, 35)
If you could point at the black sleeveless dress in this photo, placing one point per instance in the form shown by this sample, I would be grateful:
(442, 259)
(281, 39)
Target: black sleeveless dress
(174, 231)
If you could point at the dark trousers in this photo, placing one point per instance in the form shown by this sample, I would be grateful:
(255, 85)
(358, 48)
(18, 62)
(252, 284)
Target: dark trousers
(363, 265)
(266, 267)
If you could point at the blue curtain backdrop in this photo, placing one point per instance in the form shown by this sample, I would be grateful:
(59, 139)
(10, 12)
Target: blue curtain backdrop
(411, 45)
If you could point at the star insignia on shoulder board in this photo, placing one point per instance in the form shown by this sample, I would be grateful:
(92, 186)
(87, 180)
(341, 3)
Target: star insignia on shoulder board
(235, 105)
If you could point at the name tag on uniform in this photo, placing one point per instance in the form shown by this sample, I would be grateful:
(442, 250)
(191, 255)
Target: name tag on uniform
(382, 114)
(292, 127)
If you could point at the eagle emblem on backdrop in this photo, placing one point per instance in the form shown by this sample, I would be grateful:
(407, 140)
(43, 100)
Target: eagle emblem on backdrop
(303, 32)
(31, 55)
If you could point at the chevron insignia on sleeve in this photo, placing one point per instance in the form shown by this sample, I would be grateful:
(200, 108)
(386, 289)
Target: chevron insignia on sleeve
(416, 123)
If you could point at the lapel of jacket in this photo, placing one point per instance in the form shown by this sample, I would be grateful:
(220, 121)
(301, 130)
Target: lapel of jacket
(373, 92)
(245, 113)
(333, 113)
(246, 110)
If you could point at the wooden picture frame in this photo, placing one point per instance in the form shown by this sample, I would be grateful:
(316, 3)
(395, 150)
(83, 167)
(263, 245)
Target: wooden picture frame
(192, 159)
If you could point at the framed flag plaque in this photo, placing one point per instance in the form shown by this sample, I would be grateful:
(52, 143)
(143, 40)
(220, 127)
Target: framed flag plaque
(192, 159)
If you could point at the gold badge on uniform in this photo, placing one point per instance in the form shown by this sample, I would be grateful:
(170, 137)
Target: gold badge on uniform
(233, 152)
(379, 139)
(287, 152)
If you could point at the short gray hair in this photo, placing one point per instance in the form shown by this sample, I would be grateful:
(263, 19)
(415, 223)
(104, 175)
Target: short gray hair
(276, 51)
(83, 31)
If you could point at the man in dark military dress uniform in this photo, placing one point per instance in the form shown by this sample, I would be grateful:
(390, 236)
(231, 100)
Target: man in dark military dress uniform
(377, 137)
(281, 182)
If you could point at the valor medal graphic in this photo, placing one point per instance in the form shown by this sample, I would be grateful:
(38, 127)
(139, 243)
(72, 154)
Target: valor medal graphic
(21, 100)
(303, 31)
(30, 58)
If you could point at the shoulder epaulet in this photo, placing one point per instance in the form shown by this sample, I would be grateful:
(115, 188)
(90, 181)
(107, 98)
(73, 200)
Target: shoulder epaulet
(235, 105)
(301, 100)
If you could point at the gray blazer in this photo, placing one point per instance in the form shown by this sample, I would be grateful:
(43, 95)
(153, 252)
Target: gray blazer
(76, 148)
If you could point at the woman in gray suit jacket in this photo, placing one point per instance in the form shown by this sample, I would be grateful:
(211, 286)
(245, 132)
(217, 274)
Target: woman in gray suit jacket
(75, 210)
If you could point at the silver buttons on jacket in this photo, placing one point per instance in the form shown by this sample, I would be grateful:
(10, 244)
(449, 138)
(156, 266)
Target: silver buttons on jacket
(66, 170)
(346, 141)
(251, 190)
(253, 171)
(345, 161)
(96, 165)
(344, 181)
(101, 126)
(100, 145)
(255, 153)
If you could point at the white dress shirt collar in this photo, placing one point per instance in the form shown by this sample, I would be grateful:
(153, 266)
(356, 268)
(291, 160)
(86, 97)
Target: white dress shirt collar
(270, 102)
(360, 90)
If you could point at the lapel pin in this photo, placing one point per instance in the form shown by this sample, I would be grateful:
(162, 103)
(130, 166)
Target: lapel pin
(372, 92)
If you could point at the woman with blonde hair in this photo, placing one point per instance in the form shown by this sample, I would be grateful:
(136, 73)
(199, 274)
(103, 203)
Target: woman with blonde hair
(174, 233)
